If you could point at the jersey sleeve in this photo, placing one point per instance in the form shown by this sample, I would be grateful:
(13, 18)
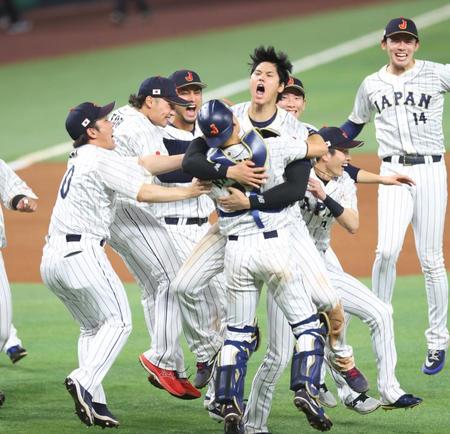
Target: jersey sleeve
(349, 198)
(361, 112)
(121, 174)
(294, 149)
(11, 185)
(444, 76)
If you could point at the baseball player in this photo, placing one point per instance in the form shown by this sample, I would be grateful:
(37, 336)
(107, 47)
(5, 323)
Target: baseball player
(144, 243)
(406, 98)
(273, 261)
(293, 100)
(207, 259)
(187, 221)
(74, 264)
(15, 195)
(332, 196)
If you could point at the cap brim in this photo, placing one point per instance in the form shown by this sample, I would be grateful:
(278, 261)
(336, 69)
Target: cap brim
(106, 110)
(194, 83)
(217, 141)
(294, 87)
(177, 100)
(399, 32)
(349, 145)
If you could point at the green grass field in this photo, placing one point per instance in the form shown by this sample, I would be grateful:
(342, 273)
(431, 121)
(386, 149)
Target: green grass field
(37, 401)
(37, 95)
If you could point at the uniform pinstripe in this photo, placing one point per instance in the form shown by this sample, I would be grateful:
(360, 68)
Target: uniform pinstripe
(408, 112)
(77, 269)
(10, 186)
(356, 299)
(145, 246)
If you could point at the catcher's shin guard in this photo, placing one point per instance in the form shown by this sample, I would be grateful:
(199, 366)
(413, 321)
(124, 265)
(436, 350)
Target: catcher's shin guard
(231, 367)
(308, 354)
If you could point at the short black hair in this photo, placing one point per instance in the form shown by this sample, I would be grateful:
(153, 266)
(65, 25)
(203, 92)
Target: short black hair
(137, 101)
(279, 59)
(84, 138)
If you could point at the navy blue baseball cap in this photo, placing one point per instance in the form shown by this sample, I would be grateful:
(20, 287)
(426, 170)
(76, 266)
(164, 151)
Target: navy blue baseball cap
(338, 138)
(294, 83)
(82, 116)
(400, 25)
(215, 120)
(186, 77)
(161, 87)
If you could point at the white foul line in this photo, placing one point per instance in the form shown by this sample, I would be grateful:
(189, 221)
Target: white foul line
(309, 62)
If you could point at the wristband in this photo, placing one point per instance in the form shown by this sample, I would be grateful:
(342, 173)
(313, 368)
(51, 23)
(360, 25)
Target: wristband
(335, 208)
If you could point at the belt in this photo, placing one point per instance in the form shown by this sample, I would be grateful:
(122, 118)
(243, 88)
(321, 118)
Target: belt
(410, 160)
(70, 238)
(189, 221)
(266, 235)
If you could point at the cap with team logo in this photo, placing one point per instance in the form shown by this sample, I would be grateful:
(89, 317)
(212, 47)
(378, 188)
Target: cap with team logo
(161, 87)
(338, 139)
(186, 77)
(294, 84)
(215, 120)
(400, 25)
(83, 115)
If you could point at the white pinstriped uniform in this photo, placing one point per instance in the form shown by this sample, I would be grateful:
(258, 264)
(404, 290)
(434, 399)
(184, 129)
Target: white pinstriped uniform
(186, 236)
(78, 271)
(10, 186)
(408, 113)
(208, 256)
(145, 245)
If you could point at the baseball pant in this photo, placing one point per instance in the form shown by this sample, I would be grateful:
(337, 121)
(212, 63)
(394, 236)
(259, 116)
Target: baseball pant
(148, 252)
(81, 276)
(423, 205)
(5, 305)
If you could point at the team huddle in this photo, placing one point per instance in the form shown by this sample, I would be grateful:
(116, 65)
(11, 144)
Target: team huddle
(210, 203)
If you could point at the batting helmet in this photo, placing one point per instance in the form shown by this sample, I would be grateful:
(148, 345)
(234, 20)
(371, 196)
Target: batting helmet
(215, 120)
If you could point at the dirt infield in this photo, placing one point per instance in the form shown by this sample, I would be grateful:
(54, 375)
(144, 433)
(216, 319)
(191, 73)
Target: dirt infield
(26, 232)
(68, 29)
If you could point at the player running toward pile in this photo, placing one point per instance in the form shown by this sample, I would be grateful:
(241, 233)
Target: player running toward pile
(15, 195)
(74, 264)
(406, 98)
(144, 243)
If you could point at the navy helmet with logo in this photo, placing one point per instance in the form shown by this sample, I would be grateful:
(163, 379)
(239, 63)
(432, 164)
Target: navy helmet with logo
(338, 139)
(215, 120)
(400, 25)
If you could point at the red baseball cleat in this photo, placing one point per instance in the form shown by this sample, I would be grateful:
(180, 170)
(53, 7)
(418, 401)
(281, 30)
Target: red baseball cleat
(165, 377)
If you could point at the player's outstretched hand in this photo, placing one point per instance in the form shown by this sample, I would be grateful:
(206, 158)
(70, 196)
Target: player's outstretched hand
(200, 187)
(397, 179)
(247, 174)
(236, 201)
(26, 204)
(316, 189)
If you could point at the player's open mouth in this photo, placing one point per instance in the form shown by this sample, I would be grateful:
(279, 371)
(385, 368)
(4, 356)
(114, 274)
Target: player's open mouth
(260, 90)
(191, 109)
(401, 56)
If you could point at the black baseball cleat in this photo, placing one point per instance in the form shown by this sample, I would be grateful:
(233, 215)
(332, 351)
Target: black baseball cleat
(103, 417)
(355, 380)
(314, 412)
(82, 399)
(2, 398)
(405, 401)
(16, 353)
(204, 373)
(434, 362)
(232, 418)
